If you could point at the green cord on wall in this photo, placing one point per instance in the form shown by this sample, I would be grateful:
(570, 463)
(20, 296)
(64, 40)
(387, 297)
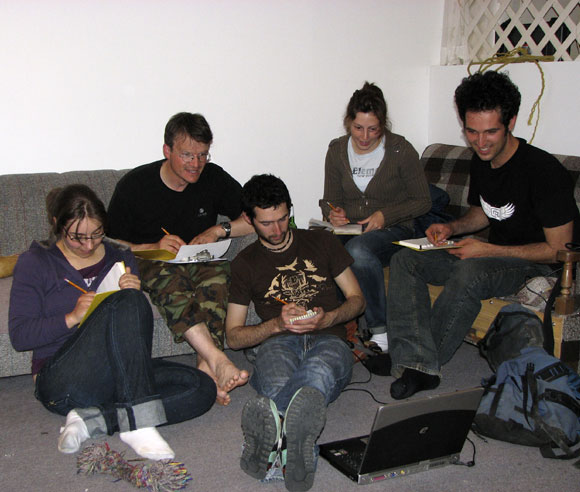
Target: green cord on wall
(517, 55)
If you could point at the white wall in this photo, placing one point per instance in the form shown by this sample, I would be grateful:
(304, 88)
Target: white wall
(558, 129)
(90, 84)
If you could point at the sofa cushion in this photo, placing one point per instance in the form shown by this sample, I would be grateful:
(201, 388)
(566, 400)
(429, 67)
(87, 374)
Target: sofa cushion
(5, 286)
(7, 265)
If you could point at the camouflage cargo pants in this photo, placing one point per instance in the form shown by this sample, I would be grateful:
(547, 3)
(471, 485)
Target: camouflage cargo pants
(189, 293)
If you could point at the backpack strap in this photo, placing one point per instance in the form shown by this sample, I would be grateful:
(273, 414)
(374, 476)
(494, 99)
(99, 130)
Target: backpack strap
(563, 399)
(546, 450)
(547, 324)
(529, 388)
(553, 371)
(496, 398)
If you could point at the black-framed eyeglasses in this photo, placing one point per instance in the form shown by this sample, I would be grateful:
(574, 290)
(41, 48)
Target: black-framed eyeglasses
(202, 157)
(83, 238)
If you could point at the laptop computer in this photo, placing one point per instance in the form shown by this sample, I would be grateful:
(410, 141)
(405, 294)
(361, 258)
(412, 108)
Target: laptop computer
(407, 437)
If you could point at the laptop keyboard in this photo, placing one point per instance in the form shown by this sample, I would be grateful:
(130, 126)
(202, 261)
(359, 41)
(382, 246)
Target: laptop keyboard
(352, 459)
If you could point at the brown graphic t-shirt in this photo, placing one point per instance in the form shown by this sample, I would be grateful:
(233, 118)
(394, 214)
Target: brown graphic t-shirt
(303, 274)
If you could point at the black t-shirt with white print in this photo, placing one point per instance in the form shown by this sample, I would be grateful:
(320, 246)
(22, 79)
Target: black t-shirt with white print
(530, 191)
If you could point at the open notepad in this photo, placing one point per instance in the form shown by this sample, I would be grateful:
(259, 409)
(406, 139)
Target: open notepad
(348, 229)
(423, 244)
(189, 253)
(108, 286)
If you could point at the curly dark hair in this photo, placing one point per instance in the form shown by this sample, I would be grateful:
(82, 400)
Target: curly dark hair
(488, 91)
(369, 99)
(191, 125)
(264, 191)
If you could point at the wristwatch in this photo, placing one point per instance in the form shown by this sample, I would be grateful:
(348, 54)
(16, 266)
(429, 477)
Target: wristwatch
(227, 227)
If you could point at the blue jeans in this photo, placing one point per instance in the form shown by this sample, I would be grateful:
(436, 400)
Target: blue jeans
(423, 337)
(105, 371)
(372, 252)
(286, 363)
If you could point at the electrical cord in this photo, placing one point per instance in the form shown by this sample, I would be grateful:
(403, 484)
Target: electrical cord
(471, 462)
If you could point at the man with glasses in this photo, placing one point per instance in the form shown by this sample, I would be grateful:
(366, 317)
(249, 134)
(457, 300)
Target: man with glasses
(173, 202)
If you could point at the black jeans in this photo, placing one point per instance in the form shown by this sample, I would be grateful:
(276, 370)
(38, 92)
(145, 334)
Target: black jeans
(105, 372)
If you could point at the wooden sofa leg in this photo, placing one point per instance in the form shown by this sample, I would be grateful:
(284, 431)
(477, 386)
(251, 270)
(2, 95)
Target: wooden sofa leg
(566, 303)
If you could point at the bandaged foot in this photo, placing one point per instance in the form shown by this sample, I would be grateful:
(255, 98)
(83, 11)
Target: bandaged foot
(148, 443)
(73, 434)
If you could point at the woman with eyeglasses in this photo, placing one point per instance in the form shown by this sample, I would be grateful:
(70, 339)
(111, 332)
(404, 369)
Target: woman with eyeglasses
(373, 177)
(100, 373)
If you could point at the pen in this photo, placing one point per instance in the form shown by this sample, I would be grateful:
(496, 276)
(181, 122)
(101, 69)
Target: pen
(75, 286)
(280, 300)
(332, 206)
(165, 231)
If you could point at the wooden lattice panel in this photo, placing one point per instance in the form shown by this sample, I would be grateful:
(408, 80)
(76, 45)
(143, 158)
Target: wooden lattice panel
(546, 27)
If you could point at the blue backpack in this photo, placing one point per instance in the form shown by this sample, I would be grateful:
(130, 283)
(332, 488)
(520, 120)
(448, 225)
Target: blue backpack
(533, 399)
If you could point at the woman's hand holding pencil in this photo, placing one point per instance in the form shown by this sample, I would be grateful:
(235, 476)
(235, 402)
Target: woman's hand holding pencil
(337, 216)
(82, 305)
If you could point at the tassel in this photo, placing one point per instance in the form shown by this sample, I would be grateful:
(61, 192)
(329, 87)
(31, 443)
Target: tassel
(159, 476)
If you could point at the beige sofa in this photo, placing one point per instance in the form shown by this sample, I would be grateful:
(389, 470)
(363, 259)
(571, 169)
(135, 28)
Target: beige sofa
(23, 219)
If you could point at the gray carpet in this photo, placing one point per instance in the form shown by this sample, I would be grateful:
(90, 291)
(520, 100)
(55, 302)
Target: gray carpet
(210, 445)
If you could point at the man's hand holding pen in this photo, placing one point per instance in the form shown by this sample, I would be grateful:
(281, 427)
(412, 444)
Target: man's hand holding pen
(170, 242)
(290, 311)
(438, 233)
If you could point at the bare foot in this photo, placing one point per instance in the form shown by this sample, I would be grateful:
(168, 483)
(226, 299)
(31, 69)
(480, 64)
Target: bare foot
(225, 374)
(229, 376)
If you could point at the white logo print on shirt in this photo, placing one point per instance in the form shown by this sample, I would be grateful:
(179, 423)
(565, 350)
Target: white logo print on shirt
(498, 213)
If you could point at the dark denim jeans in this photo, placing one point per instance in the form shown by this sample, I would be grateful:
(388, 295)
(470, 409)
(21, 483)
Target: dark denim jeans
(423, 337)
(372, 252)
(105, 371)
(286, 363)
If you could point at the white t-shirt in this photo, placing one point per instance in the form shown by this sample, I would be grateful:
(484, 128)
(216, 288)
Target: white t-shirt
(364, 166)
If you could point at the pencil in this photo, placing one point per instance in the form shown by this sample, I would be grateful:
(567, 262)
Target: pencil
(75, 286)
(280, 300)
(165, 231)
(332, 206)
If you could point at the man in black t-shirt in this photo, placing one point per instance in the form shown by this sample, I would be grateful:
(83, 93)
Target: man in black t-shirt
(523, 194)
(302, 361)
(176, 201)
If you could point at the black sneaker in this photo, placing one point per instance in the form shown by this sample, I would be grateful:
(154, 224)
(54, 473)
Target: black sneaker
(261, 427)
(303, 423)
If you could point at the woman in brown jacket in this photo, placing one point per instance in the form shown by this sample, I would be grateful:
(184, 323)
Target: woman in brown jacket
(373, 177)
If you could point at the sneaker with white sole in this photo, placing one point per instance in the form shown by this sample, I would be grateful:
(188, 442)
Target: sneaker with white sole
(303, 423)
(262, 429)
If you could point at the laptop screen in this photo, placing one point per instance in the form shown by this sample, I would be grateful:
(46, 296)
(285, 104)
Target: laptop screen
(419, 438)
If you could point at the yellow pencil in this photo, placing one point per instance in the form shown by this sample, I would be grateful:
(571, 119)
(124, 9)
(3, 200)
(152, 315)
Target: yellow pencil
(280, 300)
(165, 231)
(332, 206)
(75, 286)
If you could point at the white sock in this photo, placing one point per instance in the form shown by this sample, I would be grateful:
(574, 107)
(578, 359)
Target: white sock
(381, 340)
(148, 443)
(73, 434)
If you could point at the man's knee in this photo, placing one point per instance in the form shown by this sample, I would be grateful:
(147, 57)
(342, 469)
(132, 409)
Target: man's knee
(404, 260)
